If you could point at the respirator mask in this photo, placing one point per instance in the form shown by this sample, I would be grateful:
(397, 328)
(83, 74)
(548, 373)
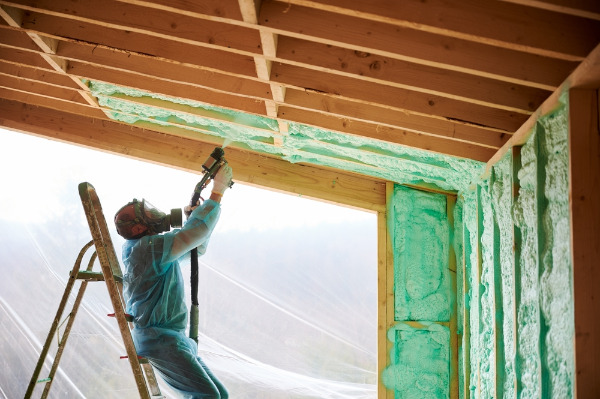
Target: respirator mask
(157, 220)
(139, 218)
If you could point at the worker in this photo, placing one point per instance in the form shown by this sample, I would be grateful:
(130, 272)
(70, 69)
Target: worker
(154, 288)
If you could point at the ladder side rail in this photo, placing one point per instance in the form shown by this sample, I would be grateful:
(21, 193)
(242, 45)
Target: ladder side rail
(56, 321)
(116, 268)
(104, 232)
(63, 342)
(92, 208)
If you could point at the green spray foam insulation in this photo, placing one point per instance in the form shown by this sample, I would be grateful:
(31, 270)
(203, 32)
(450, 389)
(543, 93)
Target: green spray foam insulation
(470, 243)
(518, 270)
(487, 298)
(301, 143)
(419, 361)
(556, 284)
(526, 211)
(504, 266)
(420, 238)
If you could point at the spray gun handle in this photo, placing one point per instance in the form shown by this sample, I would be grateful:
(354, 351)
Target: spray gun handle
(210, 167)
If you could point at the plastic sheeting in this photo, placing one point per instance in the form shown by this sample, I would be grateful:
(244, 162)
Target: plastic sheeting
(288, 286)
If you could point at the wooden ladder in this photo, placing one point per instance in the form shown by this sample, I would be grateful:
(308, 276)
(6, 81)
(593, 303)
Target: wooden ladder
(112, 275)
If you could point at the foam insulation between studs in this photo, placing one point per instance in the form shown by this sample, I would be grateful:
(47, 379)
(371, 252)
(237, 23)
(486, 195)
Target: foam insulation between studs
(301, 143)
(419, 363)
(420, 238)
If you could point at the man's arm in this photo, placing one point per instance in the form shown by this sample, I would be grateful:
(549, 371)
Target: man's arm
(202, 221)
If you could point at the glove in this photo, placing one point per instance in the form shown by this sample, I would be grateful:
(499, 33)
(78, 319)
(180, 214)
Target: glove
(222, 180)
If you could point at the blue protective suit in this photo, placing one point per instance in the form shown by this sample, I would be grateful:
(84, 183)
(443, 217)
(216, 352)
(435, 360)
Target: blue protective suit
(154, 295)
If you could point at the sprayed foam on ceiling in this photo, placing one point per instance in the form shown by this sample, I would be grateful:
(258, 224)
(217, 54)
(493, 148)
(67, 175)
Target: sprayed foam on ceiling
(301, 143)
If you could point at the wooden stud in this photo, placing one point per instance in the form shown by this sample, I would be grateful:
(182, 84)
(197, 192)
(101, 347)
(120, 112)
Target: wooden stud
(516, 272)
(479, 267)
(498, 310)
(454, 338)
(384, 255)
(584, 196)
(467, 312)
(389, 301)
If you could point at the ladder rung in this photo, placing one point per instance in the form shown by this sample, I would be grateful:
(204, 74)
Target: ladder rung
(128, 317)
(141, 359)
(44, 380)
(95, 276)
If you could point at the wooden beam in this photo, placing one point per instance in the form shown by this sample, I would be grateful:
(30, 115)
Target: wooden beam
(173, 89)
(490, 140)
(347, 114)
(23, 57)
(581, 8)
(395, 98)
(163, 23)
(42, 89)
(584, 198)
(411, 45)
(499, 24)
(338, 114)
(210, 9)
(134, 41)
(15, 18)
(408, 75)
(249, 11)
(36, 74)
(27, 97)
(587, 75)
(314, 182)
(479, 59)
(160, 68)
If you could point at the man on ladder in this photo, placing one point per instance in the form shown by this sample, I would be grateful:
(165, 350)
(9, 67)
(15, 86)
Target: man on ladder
(154, 288)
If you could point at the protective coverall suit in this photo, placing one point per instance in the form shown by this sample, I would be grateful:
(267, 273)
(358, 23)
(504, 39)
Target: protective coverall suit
(154, 295)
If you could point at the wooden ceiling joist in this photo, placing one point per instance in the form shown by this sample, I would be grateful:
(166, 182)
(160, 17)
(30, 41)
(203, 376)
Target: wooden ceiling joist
(453, 77)
(476, 21)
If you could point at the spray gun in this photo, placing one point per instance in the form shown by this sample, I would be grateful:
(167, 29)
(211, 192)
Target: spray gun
(210, 168)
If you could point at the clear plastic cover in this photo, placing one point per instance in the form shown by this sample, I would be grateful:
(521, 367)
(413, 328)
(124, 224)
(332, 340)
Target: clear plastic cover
(288, 286)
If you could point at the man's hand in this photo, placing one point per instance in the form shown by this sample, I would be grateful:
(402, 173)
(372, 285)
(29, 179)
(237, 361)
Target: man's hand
(188, 210)
(222, 180)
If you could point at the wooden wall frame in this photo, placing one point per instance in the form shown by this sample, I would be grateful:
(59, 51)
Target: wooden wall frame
(584, 195)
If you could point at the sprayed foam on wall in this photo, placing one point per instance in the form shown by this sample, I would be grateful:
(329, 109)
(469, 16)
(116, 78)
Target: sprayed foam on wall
(301, 143)
(522, 248)
(420, 361)
(470, 243)
(487, 337)
(526, 216)
(556, 285)
(420, 238)
(504, 265)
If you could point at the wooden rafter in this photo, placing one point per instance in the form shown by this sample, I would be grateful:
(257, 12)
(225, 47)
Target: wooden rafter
(452, 77)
